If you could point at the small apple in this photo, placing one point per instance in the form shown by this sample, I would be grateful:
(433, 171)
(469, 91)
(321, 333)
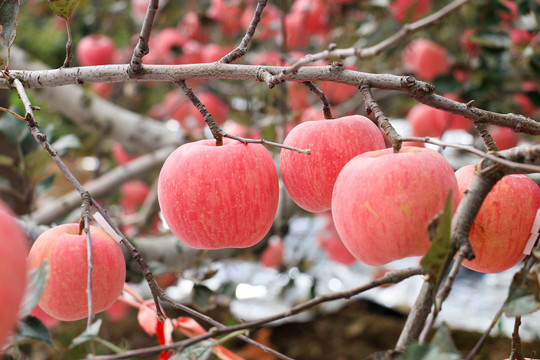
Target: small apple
(426, 59)
(272, 255)
(13, 247)
(227, 14)
(409, 10)
(215, 197)
(65, 297)
(309, 179)
(168, 45)
(133, 193)
(505, 138)
(426, 121)
(329, 240)
(502, 227)
(95, 50)
(383, 202)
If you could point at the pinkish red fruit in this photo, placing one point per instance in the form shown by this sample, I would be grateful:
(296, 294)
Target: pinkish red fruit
(383, 202)
(65, 297)
(13, 247)
(216, 197)
(409, 10)
(502, 227)
(309, 179)
(95, 50)
(426, 59)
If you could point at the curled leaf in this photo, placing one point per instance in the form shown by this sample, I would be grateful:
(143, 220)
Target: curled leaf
(63, 8)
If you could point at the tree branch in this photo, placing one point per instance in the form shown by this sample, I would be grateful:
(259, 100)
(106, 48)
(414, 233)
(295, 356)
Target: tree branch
(135, 65)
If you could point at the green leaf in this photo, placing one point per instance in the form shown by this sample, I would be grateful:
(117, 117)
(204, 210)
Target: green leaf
(45, 185)
(37, 279)
(65, 143)
(437, 255)
(31, 328)
(442, 342)
(523, 295)
(89, 334)
(492, 40)
(14, 129)
(36, 162)
(202, 296)
(63, 8)
(200, 351)
(9, 12)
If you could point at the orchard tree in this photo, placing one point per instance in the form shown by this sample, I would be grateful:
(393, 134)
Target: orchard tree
(136, 134)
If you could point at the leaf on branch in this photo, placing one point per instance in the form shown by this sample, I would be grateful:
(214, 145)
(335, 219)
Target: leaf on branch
(441, 347)
(37, 279)
(63, 8)
(200, 351)
(523, 295)
(436, 256)
(89, 334)
(203, 297)
(31, 328)
(9, 12)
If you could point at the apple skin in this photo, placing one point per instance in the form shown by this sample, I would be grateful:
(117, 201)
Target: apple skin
(215, 197)
(409, 10)
(426, 121)
(330, 242)
(502, 227)
(95, 49)
(505, 138)
(309, 179)
(65, 297)
(13, 247)
(383, 202)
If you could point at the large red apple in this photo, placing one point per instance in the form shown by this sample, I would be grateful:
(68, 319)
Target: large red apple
(216, 197)
(309, 179)
(502, 227)
(13, 247)
(426, 121)
(95, 50)
(65, 297)
(383, 202)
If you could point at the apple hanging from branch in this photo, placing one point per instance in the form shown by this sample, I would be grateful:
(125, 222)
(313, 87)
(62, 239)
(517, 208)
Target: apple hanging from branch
(65, 296)
(383, 202)
(215, 197)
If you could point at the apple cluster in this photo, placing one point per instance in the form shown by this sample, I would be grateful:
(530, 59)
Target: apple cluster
(380, 202)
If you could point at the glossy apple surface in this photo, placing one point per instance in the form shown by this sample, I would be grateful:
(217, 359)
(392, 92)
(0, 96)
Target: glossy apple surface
(309, 179)
(383, 202)
(13, 247)
(65, 297)
(216, 197)
(426, 59)
(502, 227)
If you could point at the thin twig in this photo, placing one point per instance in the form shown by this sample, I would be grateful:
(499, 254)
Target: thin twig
(85, 220)
(69, 45)
(372, 51)
(135, 65)
(320, 94)
(517, 350)
(241, 49)
(484, 337)
(266, 142)
(481, 129)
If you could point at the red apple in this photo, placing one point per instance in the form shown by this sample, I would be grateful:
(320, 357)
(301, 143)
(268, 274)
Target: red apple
(383, 202)
(133, 193)
(329, 240)
(426, 59)
(272, 256)
(426, 121)
(309, 179)
(13, 247)
(168, 45)
(505, 138)
(453, 121)
(216, 197)
(227, 13)
(503, 225)
(65, 297)
(95, 50)
(409, 10)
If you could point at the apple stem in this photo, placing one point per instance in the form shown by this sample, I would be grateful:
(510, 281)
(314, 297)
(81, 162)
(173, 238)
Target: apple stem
(69, 44)
(481, 128)
(517, 351)
(216, 130)
(142, 48)
(384, 123)
(85, 223)
(326, 104)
